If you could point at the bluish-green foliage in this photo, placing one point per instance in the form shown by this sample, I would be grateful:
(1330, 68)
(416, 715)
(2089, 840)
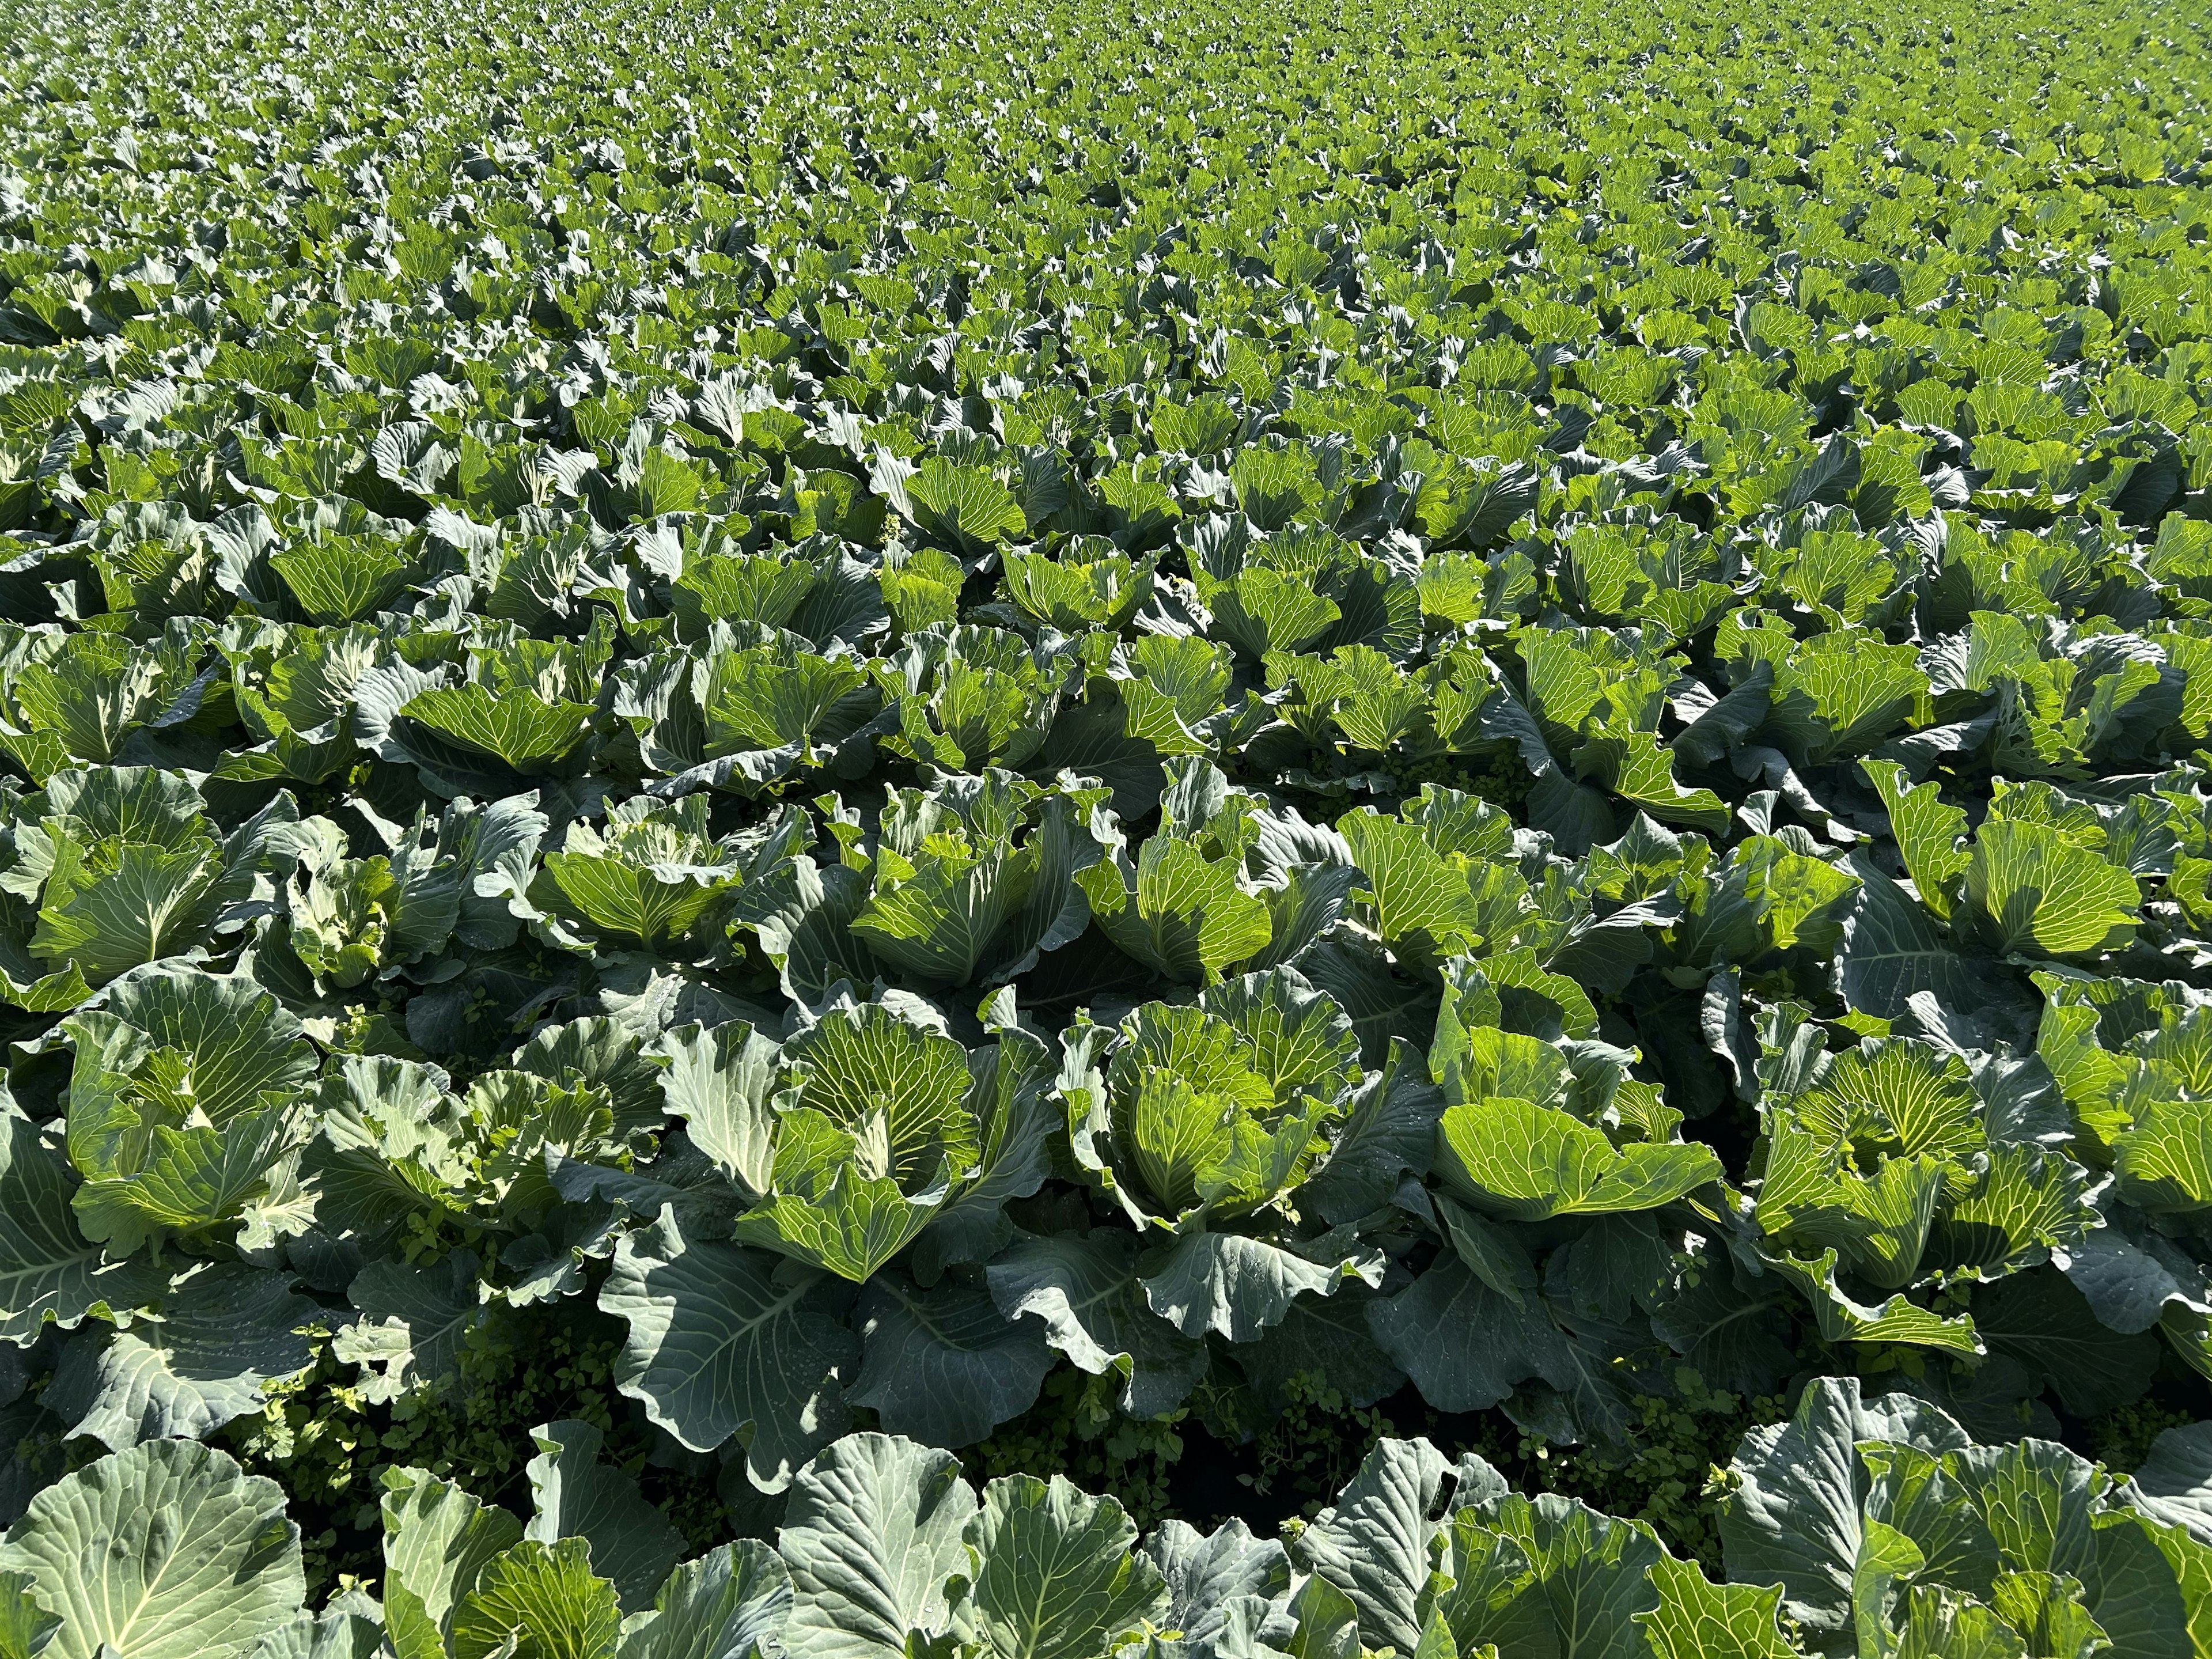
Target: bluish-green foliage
(1085, 730)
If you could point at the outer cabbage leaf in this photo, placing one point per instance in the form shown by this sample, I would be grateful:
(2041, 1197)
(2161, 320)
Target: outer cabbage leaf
(944, 1363)
(719, 1344)
(166, 1551)
(48, 1271)
(224, 1331)
(726, 1604)
(1795, 1513)
(577, 1496)
(874, 1537)
(1058, 1575)
(1088, 1296)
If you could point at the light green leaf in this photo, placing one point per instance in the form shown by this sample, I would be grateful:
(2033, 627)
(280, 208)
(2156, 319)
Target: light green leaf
(2029, 889)
(968, 505)
(867, 1064)
(1326, 1623)
(1528, 1162)
(437, 1541)
(1640, 769)
(175, 1043)
(1888, 1561)
(2046, 1610)
(779, 704)
(1090, 584)
(718, 1082)
(1799, 900)
(1301, 1040)
(25, 1629)
(341, 578)
(1841, 1318)
(1696, 1618)
(2028, 1202)
(515, 725)
(1187, 1123)
(1177, 911)
(1879, 1223)
(1841, 692)
(1259, 610)
(128, 903)
(1423, 905)
(538, 1601)
(1484, 1591)
(1942, 1623)
(960, 893)
(852, 1227)
(650, 906)
(725, 1604)
(1930, 834)
(873, 1535)
(2164, 1158)
(190, 1181)
(26, 987)
(1058, 1575)
(577, 1496)
(1909, 1097)
(2040, 1503)
(166, 1551)
(389, 1144)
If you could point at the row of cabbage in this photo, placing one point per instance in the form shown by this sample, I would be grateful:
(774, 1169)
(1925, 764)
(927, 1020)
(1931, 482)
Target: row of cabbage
(222, 1151)
(1867, 1527)
(1499, 699)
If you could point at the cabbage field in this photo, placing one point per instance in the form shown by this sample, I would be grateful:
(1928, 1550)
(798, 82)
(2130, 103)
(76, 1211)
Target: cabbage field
(805, 810)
